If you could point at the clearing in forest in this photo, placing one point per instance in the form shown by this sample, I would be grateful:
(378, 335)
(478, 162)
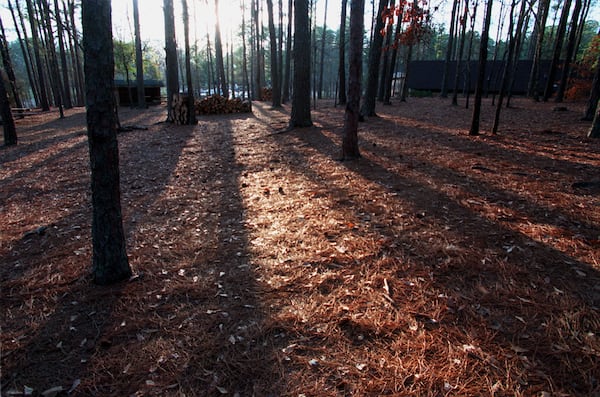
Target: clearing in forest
(437, 264)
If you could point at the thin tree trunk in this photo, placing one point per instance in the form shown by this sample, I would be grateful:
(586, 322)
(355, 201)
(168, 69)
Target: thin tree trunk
(393, 59)
(592, 102)
(76, 52)
(280, 48)
(461, 47)
(301, 116)
(53, 64)
(44, 104)
(222, 78)
(469, 52)
(257, 93)
(385, 61)
(191, 113)
(404, 94)
(342, 55)
(109, 255)
(288, 55)
(350, 148)
(139, 60)
(66, 84)
(571, 42)
(444, 93)
(25, 50)
(232, 79)
(560, 34)
(474, 130)
(276, 90)
(533, 86)
(244, 50)
(368, 105)
(594, 131)
(322, 65)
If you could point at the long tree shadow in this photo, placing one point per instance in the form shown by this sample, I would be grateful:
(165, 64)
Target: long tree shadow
(45, 279)
(481, 269)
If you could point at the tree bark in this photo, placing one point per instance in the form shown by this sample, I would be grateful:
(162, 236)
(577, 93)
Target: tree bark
(592, 102)
(191, 112)
(80, 89)
(288, 55)
(171, 61)
(368, 106)
(139, 60)
(301, 116)
(560, 34)
(594, 131)
(56, 83)
(258, 68)
(276, 90)
(24, 50)
(350, 148)
(444, 90)
(110, 263)
(342, 98)
(222, 78)
(8, 68)
(44, 104)
(533, 86)
(385, 61)
(481, 72)
(244, 54)
(8, 122)
(322, 64)
(571, 43)
(461, 48)
(66, 84)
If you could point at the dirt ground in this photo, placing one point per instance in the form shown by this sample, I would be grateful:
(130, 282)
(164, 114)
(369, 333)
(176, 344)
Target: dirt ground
(438, 264)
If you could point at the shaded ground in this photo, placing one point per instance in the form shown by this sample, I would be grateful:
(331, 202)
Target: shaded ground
(437, 264)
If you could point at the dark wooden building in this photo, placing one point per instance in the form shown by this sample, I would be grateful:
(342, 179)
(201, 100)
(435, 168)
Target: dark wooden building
(126, 94)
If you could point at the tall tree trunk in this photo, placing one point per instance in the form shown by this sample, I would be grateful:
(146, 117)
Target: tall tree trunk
(352, 115)
(53, 63)
(342, 55)
(24, 50)
(8, 122)
(385, 61)
(258, 66)
(469, 52)
(44, 104)
(171, 61)
(139, 59)
(592, 102)
(560, 34)
(76, 53)
(280, 49)
(483, 50)
(8, 68)
(514, 37)
(368, 105)
(109, 258)
(393, 58)
(232, 79)
(404, 94)
(219, 54)
(276, 90)
(571, 43)
(66, 84)
(533, 87)
(244, 54)
(288, 55)
(444, 92)
(300, 116)
(322, 65)
(461, 48)
(191, 112)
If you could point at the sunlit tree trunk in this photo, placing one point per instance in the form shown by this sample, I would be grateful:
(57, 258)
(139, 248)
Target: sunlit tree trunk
(350, 148)
(483, 51)
(109, 256)
(171, 61)
(301, 116)
(276, 90)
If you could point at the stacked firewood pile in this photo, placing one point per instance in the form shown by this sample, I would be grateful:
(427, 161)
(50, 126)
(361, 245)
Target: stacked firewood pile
(266, 94)
(213, 104)
(180, 109)
(217, 104)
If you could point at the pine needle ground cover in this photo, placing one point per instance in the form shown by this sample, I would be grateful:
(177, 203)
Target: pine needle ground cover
(436, 265)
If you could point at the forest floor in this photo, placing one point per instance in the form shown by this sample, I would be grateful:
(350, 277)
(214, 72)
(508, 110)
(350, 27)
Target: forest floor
(438, 264)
